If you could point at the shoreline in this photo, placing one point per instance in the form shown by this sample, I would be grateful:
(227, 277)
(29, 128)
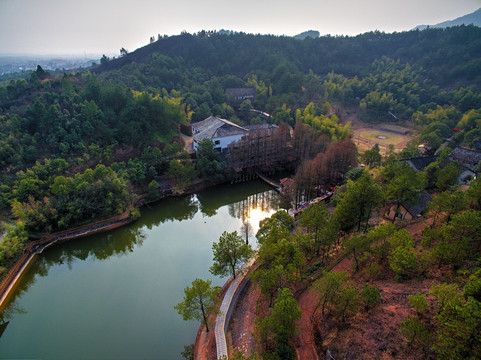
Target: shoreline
(36, 247)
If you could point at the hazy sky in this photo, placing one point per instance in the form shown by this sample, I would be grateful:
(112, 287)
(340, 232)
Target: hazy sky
(104, 26)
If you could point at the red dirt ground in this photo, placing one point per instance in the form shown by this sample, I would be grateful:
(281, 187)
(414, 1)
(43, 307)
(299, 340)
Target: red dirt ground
(304, 342)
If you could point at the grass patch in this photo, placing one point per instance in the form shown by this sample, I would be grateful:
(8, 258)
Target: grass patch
(383, 137)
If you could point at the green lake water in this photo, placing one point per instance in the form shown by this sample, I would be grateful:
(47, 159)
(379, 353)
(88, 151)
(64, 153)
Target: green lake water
(111, 295)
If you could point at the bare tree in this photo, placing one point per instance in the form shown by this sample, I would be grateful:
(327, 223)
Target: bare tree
(246, 230)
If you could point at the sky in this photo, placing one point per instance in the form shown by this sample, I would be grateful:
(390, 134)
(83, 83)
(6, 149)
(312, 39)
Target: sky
(104, 26)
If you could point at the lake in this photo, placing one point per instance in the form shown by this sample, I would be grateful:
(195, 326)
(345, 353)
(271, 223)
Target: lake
(111, 295)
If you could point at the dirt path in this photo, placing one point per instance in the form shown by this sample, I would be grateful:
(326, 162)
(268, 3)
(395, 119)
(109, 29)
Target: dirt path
(305, 347)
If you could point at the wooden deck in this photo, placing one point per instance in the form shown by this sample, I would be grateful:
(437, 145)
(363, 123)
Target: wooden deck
(271, 182)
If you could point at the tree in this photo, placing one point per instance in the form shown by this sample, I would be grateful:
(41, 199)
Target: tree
(411, 150)
(229, 254)
(198, 301)
(356, 245)
(447, 204)
(153, 189)
(473, 286)
(202, 112)
(104, 60)
(357, 202)
(402, 183)
(279, 257)
(338, 294)
(12, 241)
(414, 330)
(188, 353)
(209, 162)
(419, 303)
(458, 322)
(457, 240)
(182, 171)
(447, 176)
(319, 222)
(473, 194)
(280, 220)
(431, 173)
(402, 258)
(329, 286)
(246, 230)
(372, 157)
(347, 302)
(280, 326)
(245, 111)
(370, 296)
(280, 265)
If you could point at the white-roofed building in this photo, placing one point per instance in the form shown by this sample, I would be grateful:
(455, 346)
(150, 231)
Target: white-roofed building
(222, 132)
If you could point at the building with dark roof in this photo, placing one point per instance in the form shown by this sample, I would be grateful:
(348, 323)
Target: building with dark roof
(420, 163)
(241, 94)
(408, 211)
(465, 157)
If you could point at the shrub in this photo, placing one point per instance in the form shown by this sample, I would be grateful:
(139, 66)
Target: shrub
(370, 296)
(418, 302)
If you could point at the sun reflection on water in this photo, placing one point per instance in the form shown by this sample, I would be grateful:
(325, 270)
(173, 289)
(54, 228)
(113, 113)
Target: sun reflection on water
(256, 215)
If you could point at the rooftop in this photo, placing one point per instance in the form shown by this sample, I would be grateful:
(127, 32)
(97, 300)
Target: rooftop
(420, 204)
(420, 163)
(241, 92)
(466, 157)
(214, 127)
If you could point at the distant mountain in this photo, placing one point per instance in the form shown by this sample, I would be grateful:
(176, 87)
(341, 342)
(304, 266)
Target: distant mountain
(473, 18)
(314, 34)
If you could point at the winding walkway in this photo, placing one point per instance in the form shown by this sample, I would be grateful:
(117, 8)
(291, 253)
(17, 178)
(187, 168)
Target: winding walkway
(226, 308)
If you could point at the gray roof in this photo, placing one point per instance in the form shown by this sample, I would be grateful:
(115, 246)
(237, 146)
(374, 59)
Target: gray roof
(466, 157)
(420, 163)
(241, 92)
(214, 127)
(420, 204)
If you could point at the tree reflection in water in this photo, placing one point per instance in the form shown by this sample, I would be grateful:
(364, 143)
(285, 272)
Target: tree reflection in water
(249, 202)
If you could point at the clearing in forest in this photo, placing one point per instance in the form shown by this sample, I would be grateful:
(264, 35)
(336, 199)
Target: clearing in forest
(368, 135)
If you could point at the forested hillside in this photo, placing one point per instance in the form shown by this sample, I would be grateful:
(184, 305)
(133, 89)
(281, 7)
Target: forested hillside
(438, 51)
(403, 73)
(114, 131)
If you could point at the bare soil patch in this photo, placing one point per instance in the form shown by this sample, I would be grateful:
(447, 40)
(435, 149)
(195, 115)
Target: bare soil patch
(367, 135)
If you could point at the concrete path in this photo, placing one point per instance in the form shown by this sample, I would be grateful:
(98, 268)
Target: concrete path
(226, 308)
